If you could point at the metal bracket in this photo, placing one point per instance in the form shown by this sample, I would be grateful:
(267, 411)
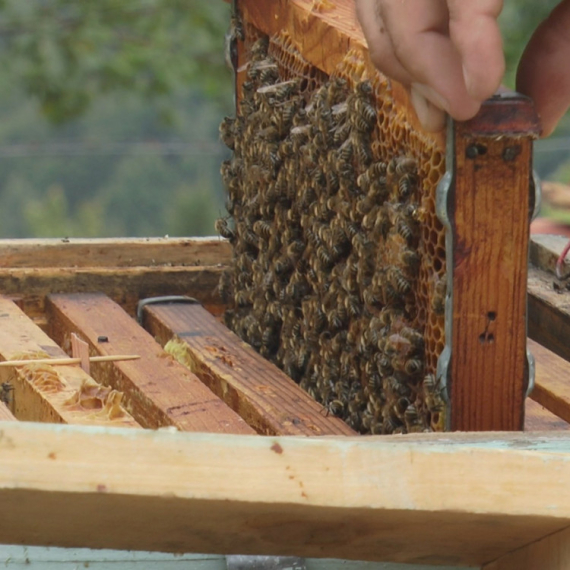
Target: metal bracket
(443, 190)
(159, 300)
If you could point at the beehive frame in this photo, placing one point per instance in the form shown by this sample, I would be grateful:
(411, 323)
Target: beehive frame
(500, 181)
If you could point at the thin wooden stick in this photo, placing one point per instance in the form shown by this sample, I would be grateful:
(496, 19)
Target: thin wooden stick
(60, 361)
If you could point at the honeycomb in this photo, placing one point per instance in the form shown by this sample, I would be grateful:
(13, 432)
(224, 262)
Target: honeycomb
(338, 270)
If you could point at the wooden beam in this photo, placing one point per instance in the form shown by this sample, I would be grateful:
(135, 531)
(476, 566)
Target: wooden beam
(158, 391)
(550, 553)
(50, 393)
(433, 499)
(126, 285)
(487, 207)
(548, 313)
(6, 414)
(261, 393)
(552, 386)
(545, 250)
(538, 418)
(113, 252)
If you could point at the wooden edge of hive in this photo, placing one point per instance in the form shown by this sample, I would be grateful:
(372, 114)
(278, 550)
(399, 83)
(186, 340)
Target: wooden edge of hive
(283, 489)
(113, 252)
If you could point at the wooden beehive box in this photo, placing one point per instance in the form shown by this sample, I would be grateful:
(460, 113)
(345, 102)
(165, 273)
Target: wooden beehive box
(225, 476)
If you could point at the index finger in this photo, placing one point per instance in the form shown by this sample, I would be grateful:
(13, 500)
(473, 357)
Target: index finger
(474, 31)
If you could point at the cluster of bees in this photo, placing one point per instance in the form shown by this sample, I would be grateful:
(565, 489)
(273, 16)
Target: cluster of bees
(325, 238)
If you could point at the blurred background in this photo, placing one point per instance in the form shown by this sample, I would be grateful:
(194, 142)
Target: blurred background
(109, 115)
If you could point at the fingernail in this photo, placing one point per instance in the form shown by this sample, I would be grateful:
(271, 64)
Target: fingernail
(468, 82)
(431, 95)
(431, 118)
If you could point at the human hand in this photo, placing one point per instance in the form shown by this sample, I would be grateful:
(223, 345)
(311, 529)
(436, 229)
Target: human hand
(448, 52)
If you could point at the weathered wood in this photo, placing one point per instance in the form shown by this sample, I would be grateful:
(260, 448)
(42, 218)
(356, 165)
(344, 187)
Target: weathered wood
(488, 209)
(5, 413)
(113, 252)
(48, 393)
(330, 564)
(310, 27)
(538, 418)
(124, 285)
(548, 313)
(545, 250)
(158, 390)
(552, 386)
(261, 393)
(41, 558)
(550, 553)
(445, 499)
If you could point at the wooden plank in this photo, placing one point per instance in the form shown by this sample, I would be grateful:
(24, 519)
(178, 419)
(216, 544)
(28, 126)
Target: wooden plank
(548, 313)
(261, 393)
(113, 252)
(42, 558)
(124, 285)
(538, 418)
(158, 390)
(50, 393)
(449, 499)
(487, 207)
(310, 28)
(331, 564)
(5, 413)
(545, 250)
(550, 553)
(552, 386)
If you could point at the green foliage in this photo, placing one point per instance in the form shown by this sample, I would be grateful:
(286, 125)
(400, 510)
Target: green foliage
(66, 53)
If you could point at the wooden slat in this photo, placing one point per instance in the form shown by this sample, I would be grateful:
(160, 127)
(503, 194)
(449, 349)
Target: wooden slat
(552, 386)
(124, 285)
(51, 403)
(335, 26)
(158, 390)
(113, 252)
(538, 418)
(488, 207)
(550, 553)
(446, 499)
(545, 250)
(548, 313)
(261, 393)
(5, 413)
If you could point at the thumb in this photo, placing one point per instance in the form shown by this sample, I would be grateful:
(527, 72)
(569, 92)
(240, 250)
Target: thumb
(544, 73)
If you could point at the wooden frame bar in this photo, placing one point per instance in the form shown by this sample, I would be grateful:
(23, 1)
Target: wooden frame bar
(452, 500)
(158, 390)
(261, 393)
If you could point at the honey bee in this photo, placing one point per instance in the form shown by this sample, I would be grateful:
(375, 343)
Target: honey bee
(399, 281)
(224, 230)
(433, 394)
(405, 165)
(242, 298)
(227, 134)
(438, 300)
(413, 366)
(410, 260)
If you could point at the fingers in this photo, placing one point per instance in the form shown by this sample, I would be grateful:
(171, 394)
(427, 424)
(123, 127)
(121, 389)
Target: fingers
(419, 33)
(544, 73)
(382, 55)
(379, 42)
(475, 33)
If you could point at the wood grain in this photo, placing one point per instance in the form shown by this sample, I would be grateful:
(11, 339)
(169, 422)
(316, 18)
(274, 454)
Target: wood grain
(545, 250)
(489, 213)
(5, 414)
(29, 400)
(125, 285)
(113, 252)
(552, 386)
(448, 499)
(548, 313)
(550, 553)
(158, 391)
(538, 418)
(256, 389)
